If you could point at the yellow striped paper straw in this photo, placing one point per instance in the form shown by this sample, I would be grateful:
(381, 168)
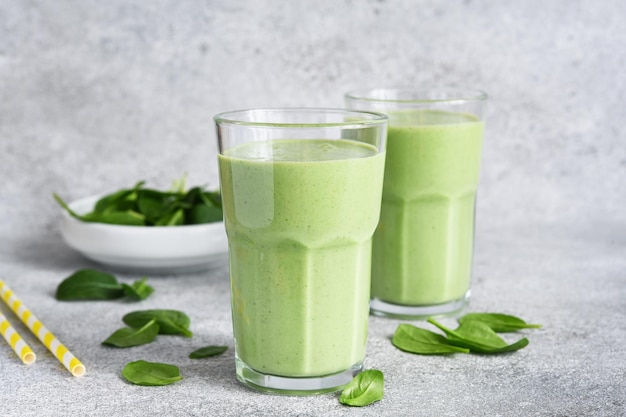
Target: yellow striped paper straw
(49, 340)
(16, 342)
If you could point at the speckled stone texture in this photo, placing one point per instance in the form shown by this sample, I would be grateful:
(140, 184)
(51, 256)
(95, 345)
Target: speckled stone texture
(97, 95)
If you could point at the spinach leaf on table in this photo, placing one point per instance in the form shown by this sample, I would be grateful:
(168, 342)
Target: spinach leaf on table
(90, 284)
(364, 389)
(151, 373)
(138, 290)
(128, 336)
(498, 322)
(207, 351)
(478, 338)
(172, 322)
(421, 341)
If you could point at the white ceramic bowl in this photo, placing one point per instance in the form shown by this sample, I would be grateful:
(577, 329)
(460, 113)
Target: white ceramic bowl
(144, 249)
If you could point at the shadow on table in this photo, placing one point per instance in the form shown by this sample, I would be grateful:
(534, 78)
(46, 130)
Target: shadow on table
(51, 253)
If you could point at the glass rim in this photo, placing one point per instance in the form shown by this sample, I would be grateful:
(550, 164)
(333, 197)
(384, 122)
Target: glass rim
(426, 95)
(365, 117)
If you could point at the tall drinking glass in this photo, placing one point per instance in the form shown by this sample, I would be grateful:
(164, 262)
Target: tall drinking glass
(301, 191)
(423, 246)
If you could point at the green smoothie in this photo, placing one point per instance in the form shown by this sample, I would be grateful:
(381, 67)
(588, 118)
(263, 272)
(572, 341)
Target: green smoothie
(423, 246)
(299, 216)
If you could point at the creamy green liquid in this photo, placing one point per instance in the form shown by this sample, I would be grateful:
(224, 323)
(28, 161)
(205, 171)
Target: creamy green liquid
(299, 216)
(422, 250)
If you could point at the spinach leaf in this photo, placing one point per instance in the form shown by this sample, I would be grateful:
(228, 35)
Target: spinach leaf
(139, 290)
(172, 322)
(71, 212)
(192, 195)
(128, 337)
(175, 218)
(118, 200)
(501, 323)
(364, 389)
(421, 341)
(179, 185)
(479, 338)
(89, 284)
(139, 206)
(203, 207)
(207, 351)
(120, 216)
(152, 206)
(124, 218)
(201, 213)
(212, 198)
(151, 373)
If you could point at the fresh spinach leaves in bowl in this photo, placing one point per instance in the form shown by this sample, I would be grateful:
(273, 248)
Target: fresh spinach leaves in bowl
(140, 206)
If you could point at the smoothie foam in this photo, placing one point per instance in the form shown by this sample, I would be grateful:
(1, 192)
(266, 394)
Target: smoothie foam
(300, 216)
(422, 248)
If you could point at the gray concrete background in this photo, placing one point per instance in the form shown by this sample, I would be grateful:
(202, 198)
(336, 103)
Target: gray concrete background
(97, 95)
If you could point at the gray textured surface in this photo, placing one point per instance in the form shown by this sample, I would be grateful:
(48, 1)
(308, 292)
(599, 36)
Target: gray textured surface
(96, 95)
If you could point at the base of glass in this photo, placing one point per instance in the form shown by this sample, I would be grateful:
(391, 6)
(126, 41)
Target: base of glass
(301, 386)
(402, 311)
